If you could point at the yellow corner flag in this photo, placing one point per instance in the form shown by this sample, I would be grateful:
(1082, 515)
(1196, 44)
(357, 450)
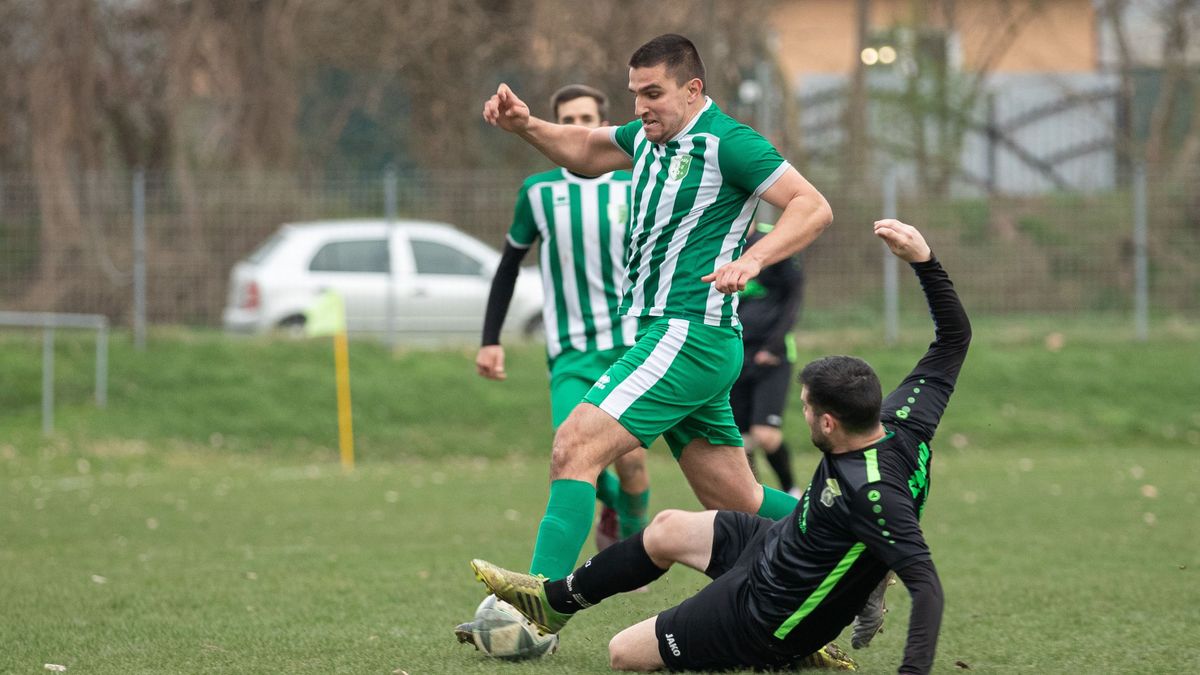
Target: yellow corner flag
(327, 316)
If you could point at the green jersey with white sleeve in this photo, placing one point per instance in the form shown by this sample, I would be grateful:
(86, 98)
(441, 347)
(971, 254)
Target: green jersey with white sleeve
(693, 199)
(583, 224)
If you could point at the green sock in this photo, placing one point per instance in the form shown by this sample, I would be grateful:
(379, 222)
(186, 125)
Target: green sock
(776, 504)
(633, 512)
(564, 528)
(607, 488)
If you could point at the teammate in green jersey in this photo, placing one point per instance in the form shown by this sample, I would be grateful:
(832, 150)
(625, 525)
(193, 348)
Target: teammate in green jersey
(698, 176)
(583, 224)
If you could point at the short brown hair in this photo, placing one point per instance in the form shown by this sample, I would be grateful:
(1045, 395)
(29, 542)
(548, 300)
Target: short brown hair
(680, 55)
(574, 91)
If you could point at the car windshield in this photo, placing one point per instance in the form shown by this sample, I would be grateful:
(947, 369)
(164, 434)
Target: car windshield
(368, 255)
(434, 257)
(265, 249)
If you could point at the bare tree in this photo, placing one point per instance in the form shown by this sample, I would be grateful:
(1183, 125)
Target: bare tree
(194, 89)
(1174, 78)
(63, 106)
(1113, 12)
(858, 146)
(937, 103)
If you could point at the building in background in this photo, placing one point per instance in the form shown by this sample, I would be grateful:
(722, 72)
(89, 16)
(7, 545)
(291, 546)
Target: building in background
(967, 96)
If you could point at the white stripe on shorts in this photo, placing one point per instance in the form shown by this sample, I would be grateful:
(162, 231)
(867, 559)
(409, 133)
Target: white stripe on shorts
(650, 372)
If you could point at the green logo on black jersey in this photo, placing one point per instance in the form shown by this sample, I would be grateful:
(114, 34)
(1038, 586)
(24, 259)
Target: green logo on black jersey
(832, 490)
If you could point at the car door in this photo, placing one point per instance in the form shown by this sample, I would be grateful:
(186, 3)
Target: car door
(449, 285)
(358, 269)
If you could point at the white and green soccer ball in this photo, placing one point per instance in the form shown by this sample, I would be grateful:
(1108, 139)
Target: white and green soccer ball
(502, 632)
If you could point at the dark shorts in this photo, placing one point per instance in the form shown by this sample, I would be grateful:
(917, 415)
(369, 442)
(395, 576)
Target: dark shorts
(759, 396)
(712, 630)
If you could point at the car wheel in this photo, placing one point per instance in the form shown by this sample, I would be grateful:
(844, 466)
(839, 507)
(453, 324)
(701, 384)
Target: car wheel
(292, 326)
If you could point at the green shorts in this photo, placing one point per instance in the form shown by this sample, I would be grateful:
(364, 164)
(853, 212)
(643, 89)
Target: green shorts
(572, 374)
(674, 382)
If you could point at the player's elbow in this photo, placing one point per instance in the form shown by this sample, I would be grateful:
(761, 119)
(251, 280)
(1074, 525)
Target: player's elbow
(820, 212)
(961, 337)
(824, 213)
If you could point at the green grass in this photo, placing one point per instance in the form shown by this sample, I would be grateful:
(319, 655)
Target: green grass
(201, 524)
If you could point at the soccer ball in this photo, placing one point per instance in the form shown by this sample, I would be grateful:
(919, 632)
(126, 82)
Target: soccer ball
(502, 632)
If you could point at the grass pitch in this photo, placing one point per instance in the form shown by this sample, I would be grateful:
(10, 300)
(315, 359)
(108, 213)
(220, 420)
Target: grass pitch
(201, 524)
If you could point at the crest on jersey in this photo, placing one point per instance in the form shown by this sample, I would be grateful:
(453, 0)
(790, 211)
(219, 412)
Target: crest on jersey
(680, 164)
(832, 489)
(618, 214)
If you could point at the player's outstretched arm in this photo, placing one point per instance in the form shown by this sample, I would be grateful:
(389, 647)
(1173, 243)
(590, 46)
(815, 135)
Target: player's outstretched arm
(952, 328)
(585, 151)
(940, 365)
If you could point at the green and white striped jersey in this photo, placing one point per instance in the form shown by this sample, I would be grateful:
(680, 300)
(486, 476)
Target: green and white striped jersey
(584, 227)
(693, 199)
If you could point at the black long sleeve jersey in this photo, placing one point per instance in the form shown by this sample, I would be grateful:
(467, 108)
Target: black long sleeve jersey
(860, 515)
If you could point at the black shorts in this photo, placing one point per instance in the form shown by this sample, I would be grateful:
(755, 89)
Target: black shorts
(712, 630)
(759, 395)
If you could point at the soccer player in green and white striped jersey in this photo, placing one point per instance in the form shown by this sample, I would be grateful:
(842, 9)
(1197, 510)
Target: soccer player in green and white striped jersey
(583, 224)
(698, 176)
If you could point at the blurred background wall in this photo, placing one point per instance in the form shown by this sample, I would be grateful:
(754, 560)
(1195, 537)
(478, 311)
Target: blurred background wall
(1017, 132)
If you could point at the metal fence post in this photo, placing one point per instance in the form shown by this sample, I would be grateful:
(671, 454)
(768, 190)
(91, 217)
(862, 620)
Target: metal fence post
(49, 322)
(139, 260)
(48, 378)
(389, 208)
(1141, 270)
(102, 365)
(891, 271)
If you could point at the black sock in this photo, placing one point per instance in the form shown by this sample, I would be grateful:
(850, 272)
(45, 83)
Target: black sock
(781, 462)
(624, 566)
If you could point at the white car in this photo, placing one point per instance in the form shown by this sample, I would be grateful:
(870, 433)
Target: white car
(435, 277)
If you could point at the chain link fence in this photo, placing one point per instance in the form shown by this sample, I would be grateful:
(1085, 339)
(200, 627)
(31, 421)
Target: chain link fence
(70, 247)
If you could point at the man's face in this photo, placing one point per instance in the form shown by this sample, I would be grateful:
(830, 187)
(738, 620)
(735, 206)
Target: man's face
(816, 432)
(660, 102)
(582, 111)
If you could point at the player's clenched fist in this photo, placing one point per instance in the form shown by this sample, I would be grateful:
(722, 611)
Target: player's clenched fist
(489, 362)
(904, 240)
(506, 111)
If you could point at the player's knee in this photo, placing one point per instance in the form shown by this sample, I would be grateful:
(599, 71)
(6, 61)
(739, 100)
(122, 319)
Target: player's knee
(620, 655)
(615, 656)
(559, 460)
(662, 534)
(569, 458)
